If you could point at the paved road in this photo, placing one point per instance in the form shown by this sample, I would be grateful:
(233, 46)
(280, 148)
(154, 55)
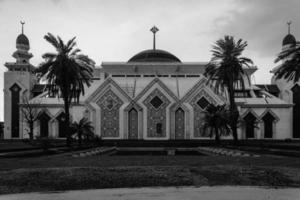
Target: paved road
(172, 193)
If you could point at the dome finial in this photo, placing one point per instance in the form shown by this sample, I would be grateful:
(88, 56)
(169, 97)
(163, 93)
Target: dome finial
(289, 26)
(154, 29)
(22, 23)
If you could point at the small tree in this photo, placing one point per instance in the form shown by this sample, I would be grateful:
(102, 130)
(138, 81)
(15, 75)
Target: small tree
(30, 113)
(216, 121)
(83, 128)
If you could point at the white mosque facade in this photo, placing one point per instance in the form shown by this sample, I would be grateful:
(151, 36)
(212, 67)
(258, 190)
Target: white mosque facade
(152, 96)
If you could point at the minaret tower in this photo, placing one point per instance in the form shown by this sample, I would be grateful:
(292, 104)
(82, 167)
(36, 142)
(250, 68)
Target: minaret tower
(289, 41)
(18, 82)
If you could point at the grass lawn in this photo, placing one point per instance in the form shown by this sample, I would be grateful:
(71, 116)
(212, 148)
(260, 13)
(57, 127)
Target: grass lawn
(63, 172)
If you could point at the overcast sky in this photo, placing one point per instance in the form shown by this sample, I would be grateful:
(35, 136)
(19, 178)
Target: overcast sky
(115, 30)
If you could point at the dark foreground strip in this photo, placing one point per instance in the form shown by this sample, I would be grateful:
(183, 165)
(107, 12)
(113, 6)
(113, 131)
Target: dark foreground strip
(58, 179)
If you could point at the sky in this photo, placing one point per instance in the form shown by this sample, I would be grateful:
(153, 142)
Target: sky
(115, 30)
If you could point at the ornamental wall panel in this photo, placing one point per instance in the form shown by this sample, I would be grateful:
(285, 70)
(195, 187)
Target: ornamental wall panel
(156, 104)
(179, 124)
(110, 105)
(199, 103)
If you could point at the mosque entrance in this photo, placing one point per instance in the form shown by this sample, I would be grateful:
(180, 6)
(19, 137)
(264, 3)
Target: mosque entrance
(133, 124)
(296, 111)
(179, 124)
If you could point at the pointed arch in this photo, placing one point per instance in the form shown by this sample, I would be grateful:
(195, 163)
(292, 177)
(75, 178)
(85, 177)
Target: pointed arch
(133, 124)
(151, 84)
(44, 119)
(269, 119)
(133, 121)
(108, 82)
(250, 120)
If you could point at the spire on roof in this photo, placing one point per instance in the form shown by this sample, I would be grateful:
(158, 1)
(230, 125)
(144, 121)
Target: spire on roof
(154, 29)
(22, 23)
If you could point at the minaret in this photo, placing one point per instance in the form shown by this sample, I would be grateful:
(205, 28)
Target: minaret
(18, 82)
(289, 40)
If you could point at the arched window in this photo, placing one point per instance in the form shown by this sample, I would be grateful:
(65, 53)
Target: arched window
(44, 127)
(268, 120)
(250, 125)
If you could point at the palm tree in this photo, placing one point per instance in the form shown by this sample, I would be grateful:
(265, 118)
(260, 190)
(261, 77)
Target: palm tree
(83, 128)
(226, 72)
(216, 121)
(290, 68)
(66, 72)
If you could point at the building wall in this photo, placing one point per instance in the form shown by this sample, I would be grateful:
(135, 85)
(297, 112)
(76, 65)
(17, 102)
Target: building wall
(91, 108)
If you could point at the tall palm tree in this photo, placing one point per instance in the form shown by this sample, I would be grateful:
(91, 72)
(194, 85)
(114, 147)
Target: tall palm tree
(216, 121)
(290, 68)
(83, 128)
(66, 72)
(226, 72)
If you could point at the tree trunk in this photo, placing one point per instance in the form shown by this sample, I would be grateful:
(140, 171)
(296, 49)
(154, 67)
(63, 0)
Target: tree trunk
(79, 139)
(31, 131)
(67, 123)
(233, 112)
(217, 136)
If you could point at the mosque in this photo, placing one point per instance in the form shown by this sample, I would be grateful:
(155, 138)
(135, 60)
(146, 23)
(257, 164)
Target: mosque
(152, 96)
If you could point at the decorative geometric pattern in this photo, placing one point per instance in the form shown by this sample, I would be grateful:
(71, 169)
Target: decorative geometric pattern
(179, 124)
(203, 103)
(156, 102)
(110, 104)
(156, 118)
(133, 124)
(199, 101)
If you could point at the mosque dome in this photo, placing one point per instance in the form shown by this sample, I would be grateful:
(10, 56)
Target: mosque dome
(154, 55)
(289, 39)
(22, 39)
